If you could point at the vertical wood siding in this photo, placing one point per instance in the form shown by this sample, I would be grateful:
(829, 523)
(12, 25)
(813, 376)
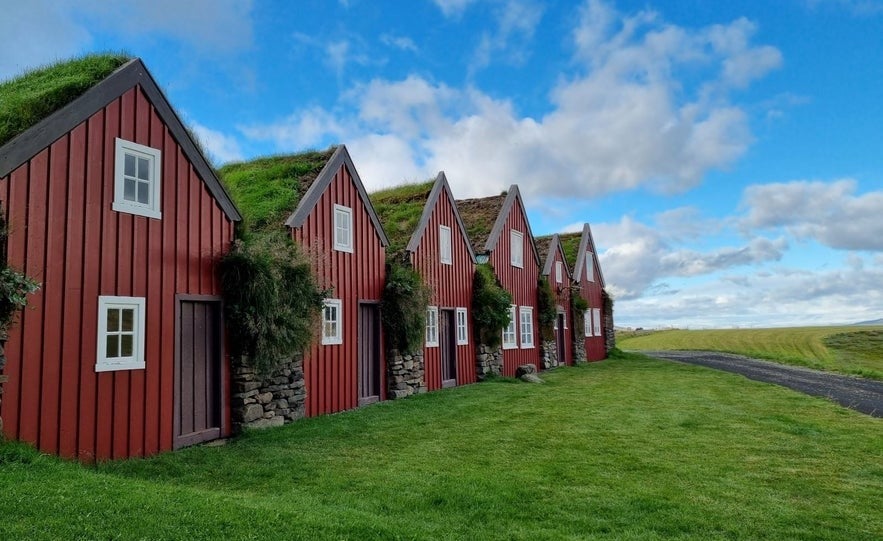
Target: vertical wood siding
(330, 371)
(451, 287)
(591, 292)
(522, 284)
(562, 300)
(65, 235)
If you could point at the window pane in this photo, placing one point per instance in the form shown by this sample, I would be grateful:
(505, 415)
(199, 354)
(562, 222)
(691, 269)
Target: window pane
(129, 189)
(126, 345)
(143, 193)
(129, 165)
(128, 318)
(113, 320)
(143, 169)
(113, 346)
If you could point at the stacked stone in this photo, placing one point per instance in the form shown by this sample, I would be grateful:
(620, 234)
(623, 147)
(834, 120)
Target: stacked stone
(407, 374)
(579, 347)
(264, 401)
(488, 361)
(609, 332)
(2, 377)
(549, 354)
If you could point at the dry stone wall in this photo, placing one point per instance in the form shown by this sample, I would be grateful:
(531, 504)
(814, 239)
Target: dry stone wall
(548, 354)
(261, 401)
(488, 361)
(406, 374)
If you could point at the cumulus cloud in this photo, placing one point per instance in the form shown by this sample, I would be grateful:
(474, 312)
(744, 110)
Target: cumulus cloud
(831, 213)
(621, 119)
(516, 22)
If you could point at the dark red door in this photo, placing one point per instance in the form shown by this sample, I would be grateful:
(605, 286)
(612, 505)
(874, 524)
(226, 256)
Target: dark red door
(198, 371)
(560, 337)
(369, 354)
(447, 343)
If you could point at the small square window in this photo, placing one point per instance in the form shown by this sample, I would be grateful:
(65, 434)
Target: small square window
(559, 272)
(332, 322)
(120, 333)
(590, 267)
(516, 248)
(444, 245)
(432, 326)
(462, 327)
(510, 340)
(343, 228)
(137, 179)
(526, 321)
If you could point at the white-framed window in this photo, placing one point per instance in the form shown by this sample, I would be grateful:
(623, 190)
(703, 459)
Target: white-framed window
(462, 327)
(525, 318)
(332, 322)
(444, 245)
(516, 248)
(510, 340)
(432, 326)
(343, 228)
(590, 266)
(587, 322)
(120, 333)
(596, 321)
(136, 186)
(559, 272)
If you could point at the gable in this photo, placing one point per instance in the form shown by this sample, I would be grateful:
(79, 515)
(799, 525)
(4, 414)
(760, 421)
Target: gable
(440, 188)
(587, 245)
(513, 203)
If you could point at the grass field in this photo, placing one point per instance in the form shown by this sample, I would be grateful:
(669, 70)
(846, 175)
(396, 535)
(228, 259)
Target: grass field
(848, 350)
(631, 448)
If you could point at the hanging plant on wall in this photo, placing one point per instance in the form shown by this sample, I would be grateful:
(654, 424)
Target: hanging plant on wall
(14, 286)
(272, 302)
(490, 306)
(547, 311)
(403, 307)
(578, 307)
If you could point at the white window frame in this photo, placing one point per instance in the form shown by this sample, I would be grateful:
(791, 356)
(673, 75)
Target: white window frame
(136, 360)
(596, 321)
(516, 239)
(445, 248)
(335, 338)
(154, 157)
(526, 327)
(432, 327)
(341, 211)
(462, 327)
(510, 333)
(587, 322)
(559, 272)
(590, 266)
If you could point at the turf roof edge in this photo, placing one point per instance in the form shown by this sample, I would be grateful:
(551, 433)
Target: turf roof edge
(440, 186)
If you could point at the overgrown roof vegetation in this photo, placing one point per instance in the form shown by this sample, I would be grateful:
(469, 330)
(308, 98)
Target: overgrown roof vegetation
(479, 216)
(36, 94)
(267, 190)
(570, 245)
(399, 210)
(543, 243)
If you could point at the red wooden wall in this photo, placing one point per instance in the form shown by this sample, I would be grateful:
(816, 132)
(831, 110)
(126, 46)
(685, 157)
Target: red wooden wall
(562, 299)
(591, 292)
(522, 284)
(64, 234)
(451, 287)
(330, 371)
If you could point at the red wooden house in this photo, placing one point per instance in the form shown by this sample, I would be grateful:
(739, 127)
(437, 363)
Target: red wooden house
(113, 208)
(598, 318)
(336, 224)
(423, 221)
(557, 272)
(501, 236)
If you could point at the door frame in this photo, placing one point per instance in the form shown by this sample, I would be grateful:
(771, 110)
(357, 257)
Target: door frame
(223, 375)
(364, 401)
(561, 338)
(451, 329)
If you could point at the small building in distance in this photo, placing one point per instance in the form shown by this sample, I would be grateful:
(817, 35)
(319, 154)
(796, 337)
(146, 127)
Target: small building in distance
(556, 270)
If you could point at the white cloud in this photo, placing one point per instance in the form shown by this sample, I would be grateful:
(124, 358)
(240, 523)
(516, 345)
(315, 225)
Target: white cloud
(221, 148)
(828, 212)
(516, 22)
(399, 42)
(452, 8)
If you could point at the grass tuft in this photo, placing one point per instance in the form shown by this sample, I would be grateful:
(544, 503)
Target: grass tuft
(399, 209)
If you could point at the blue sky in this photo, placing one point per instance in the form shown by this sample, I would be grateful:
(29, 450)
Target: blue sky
(729, 155)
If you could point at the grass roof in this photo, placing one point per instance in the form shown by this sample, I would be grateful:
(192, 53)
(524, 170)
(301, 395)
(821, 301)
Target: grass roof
(570, 245)
(267, 190)
(479, 216)
(543, 245)
(399, 210)
(29, 98)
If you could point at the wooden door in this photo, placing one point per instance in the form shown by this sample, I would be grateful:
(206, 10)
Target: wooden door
(560, 337)
(369, 354)
(198, 371)
(447, 343)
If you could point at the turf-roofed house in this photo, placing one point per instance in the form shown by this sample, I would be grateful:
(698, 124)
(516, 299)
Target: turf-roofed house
(559, 350)
(318, 198)
(113, 209)
(594, 313)
(427, 234)
(501, 237)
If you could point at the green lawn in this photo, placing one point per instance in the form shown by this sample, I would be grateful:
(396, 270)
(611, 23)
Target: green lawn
(848, 350)
(630, 448)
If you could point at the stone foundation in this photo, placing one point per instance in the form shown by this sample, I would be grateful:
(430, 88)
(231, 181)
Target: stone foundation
(3, 378)
(273, 400)
(548, 354)
(609, 332)
(579, 346)
(488, 361)
(406, 374)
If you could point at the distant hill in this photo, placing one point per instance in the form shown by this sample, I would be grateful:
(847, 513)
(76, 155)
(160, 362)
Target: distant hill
(871, 322)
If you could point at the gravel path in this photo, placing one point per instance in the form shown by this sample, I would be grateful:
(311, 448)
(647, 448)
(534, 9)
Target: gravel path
(860, 394)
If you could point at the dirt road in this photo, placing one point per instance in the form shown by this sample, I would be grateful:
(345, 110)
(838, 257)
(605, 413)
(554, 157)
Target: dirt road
(860, 394)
